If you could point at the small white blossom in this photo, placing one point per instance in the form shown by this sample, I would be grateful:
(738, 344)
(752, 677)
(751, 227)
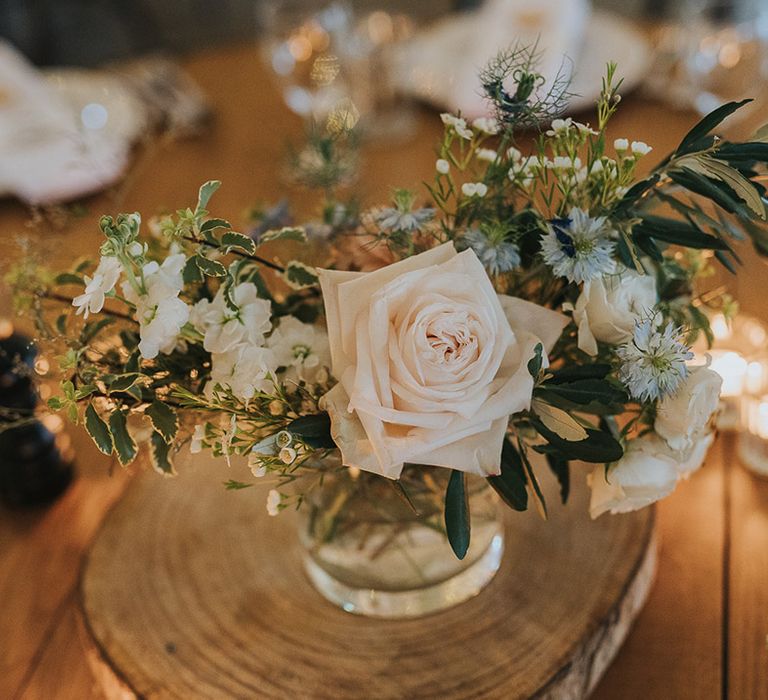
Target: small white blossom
(224, 327)
(640, 148)
(267, 446)
(196, 444)
(559, 126)
(621, 144)
(273, 502)
(564, 163)
(579, 247)
(442, 166)
(159, 311)
(103, 281)
(585, 128)
(514, 154)
(458, 124)
(302, 349)
(653, 361)
(256, 465)
(287, 455)
(487, 154)
(474, 189)
(488, 125)
(283, 439)
(245, 369)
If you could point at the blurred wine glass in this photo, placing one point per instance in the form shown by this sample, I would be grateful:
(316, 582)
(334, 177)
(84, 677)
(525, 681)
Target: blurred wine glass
(709, 52)
(333, 66)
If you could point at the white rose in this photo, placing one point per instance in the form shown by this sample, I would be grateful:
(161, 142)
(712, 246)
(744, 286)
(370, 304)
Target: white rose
(607, 308)
(645, 474)
(682, 417)
(430, 362)
(696, 455)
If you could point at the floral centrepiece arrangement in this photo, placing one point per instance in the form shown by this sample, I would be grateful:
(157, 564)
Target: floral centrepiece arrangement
(535, 304)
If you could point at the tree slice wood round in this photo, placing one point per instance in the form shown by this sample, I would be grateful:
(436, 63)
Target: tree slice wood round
(191, 591)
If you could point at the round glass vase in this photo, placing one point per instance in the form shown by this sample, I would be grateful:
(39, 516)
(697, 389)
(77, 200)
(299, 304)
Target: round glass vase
(378, 548)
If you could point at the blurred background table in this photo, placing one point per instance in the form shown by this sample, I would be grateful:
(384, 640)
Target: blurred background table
(703, 632)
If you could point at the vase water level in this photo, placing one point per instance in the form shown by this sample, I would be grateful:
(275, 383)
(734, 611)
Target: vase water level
(379, 548)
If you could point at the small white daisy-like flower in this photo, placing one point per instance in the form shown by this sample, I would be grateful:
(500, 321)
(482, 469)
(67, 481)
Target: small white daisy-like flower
(273, 502)
(487, 154)
(579, 247)
(474, 189)
(514, 154)
(653, 362)
(621, 145)
(564, 163)
(585, 128)
(640, 148)
(256, 465)
(497, 256)
(196, 444)
(559, 126)
(458, 124)
(488, 125)
(442, 166)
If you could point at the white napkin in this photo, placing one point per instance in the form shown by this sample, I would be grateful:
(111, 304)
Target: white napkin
(48, 153)
(442, 64)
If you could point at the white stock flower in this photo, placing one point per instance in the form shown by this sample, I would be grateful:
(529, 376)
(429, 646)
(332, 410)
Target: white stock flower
(302, 348)
(653, 361)
(486, 154)
(488, 125)
(442, 166)
(682, 418)
(103, 281)
(458, 124)
(431, 362)
(223, 327)
(621, 145)
(273, 502)
(160, 312)
(640, 148)
(579, 247)
(245, 369)
(474, 189)
(608, 307)
(645, 474)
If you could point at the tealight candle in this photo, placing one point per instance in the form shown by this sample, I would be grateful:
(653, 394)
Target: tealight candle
(732, 367)
(753, 440)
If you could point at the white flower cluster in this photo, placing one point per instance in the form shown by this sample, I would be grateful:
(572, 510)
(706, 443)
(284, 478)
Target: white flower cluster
(243, 358)
(104, 279)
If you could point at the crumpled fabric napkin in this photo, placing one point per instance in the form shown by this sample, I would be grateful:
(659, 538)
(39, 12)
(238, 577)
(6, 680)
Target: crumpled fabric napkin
(48, 153)
(442, 63)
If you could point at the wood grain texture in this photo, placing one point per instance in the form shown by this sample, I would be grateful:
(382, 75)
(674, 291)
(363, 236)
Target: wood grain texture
(191, 591)
(41, 553)
(748, 583)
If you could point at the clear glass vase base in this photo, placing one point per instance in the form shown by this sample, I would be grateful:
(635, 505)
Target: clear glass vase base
(411, 603)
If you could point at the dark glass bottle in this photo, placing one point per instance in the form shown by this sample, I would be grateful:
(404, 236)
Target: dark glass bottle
(33, 471)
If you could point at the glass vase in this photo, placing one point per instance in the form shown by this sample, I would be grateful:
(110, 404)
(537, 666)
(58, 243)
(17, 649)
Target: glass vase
(377, 547)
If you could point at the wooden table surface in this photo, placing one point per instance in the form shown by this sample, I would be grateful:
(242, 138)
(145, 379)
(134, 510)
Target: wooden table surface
(703, 633)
